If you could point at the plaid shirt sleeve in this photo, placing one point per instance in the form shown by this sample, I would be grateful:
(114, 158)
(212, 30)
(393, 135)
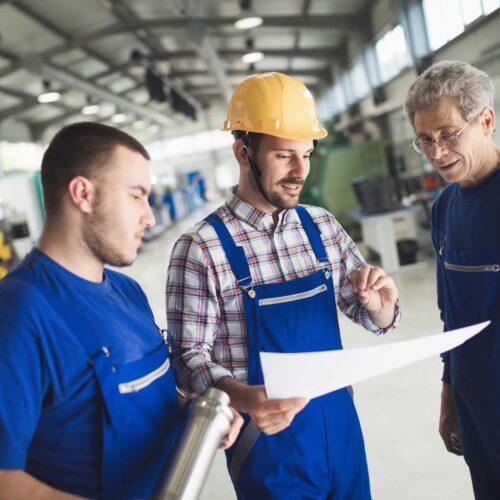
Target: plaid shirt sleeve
(193, 315)
(338, 242)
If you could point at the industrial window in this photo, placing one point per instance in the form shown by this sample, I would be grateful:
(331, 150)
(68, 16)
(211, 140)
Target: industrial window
(331, 103)
(446, 19)
(392, 53)
(359, 81)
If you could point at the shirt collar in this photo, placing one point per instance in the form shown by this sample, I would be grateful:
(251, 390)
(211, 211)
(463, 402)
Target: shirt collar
(258, 219)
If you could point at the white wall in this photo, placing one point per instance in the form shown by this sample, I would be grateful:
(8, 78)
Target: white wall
(18, 191)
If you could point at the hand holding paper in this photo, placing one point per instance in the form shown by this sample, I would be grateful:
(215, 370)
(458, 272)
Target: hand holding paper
(313, 374)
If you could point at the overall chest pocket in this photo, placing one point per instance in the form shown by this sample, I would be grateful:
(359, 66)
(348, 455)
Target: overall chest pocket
(293, 297)
(144, 381)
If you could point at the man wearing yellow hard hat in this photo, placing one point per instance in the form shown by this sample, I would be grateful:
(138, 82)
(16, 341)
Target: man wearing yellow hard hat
(263, 273)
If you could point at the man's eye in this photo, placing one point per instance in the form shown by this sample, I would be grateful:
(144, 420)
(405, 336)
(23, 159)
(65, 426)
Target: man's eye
(447, 135)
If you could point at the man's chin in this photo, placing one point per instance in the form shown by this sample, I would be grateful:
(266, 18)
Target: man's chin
(122, 261)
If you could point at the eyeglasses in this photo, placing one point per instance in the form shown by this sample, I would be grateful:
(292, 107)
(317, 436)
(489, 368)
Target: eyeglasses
(445, 140)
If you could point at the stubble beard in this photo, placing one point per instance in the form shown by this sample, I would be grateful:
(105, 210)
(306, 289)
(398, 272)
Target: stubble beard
(284, 202)
(98, 237)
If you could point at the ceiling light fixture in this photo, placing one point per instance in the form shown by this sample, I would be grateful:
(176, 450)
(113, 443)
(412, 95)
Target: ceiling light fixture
(249, 22)
(47, 97)
(40, 67)
(249, 19)
(252, 57)
(119, 118)
(91, 109)
(138, 124)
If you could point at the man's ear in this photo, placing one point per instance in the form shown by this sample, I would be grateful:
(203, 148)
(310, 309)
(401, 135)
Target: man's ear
(240, 152)
(82, 193)
(488, 121)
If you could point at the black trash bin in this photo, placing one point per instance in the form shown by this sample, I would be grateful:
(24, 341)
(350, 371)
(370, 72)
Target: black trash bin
(407, 251)
(376, 194)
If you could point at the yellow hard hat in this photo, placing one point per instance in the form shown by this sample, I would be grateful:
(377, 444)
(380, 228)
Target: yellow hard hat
(274, 104)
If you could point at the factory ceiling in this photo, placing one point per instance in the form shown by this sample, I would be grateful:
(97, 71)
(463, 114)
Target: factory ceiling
(157, 67)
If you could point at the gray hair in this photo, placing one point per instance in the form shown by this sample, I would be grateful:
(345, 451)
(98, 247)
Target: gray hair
(471, 88)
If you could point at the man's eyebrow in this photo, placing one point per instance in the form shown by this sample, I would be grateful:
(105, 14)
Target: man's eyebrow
(140, 188)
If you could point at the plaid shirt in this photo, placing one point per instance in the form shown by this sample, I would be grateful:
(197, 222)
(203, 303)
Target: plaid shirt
(205, 311)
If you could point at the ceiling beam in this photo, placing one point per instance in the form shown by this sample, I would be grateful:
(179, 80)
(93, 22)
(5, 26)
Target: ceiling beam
(79, 81)
(206, 50)
(319, 73)
(309, 53)
(341, 22)
(41, 126)
(18, 108)
(128, 17)
(47, 70)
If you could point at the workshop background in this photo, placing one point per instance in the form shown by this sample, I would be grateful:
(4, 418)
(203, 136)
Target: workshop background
(164, 70)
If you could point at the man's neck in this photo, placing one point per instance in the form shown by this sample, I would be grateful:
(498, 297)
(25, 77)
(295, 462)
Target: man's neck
(70, 252)
(256, 200)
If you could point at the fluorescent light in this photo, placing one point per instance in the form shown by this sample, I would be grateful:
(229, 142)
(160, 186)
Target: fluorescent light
(154, 129)
(47, 97)
(119, 118)
(138, 124)
(247, 23)
(252, 57)
(91, 109)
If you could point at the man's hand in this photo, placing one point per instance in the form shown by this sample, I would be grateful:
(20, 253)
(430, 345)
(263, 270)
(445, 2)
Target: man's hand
(231, 436)
(377, 292)
(270, 415)
(447, 423)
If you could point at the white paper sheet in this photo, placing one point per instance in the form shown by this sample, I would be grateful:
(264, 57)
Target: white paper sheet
(312, 374)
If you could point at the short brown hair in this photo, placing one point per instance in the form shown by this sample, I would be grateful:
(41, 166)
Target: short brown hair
(80, 149)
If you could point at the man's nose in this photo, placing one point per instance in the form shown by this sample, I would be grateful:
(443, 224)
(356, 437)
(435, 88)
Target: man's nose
(148, 218)
(301, 166)
(437, 149)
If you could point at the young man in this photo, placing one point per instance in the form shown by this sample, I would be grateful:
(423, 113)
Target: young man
(263, 273)
(88, 404)
(450, 107)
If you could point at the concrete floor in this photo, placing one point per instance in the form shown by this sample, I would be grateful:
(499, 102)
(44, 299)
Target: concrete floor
(399, 411)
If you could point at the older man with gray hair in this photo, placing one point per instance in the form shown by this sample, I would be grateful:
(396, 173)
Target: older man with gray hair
(450, 107)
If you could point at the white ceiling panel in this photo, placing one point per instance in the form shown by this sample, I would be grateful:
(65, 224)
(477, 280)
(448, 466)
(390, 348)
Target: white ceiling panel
(8, 101)
(14, 27)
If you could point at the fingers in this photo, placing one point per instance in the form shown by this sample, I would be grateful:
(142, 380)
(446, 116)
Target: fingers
(234, 430)
(274, 415)
(451, 440)
(455, 444)
(452, 443)
(368, 278)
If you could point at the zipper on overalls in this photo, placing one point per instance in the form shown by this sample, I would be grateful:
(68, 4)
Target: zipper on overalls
(293, 297)
(142, 382)
(494, 268)
(441, 245)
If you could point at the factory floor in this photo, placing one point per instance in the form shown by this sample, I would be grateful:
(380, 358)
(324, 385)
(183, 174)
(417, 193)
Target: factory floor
(399, 411)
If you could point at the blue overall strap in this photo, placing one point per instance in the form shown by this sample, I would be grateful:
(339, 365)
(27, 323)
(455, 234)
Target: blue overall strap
(235, 254)
(313, 233)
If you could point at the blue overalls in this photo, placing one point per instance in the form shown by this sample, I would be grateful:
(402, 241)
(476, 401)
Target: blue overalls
(470, 287)
(321, 454)
(140, 422)
(140, 418)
